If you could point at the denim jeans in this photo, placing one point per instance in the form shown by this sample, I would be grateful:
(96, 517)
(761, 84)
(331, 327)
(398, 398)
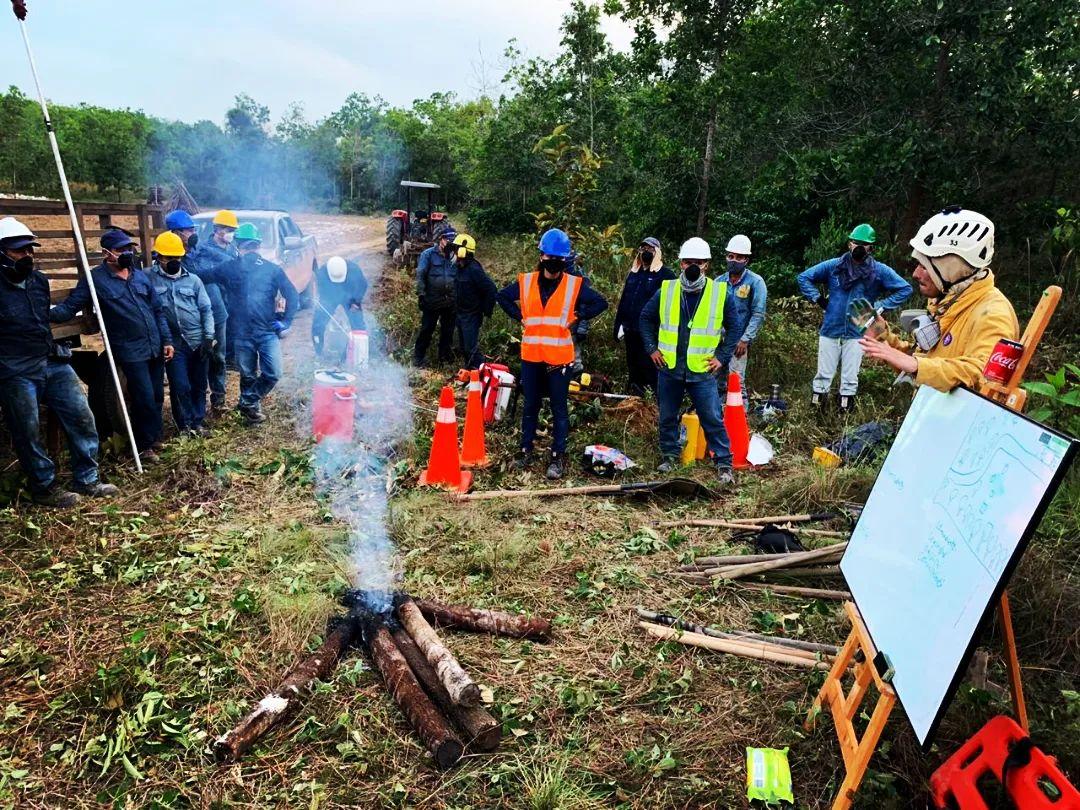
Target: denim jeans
(216, 366)
(259, 359)
(705, 397)
(61, 393)
(187, 386)
(468, 325)
(536, 381)
(146, 397)
(429, 317)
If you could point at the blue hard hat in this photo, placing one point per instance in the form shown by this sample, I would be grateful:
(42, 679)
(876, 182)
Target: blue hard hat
(116, 238)
(555, 243)
(179, 220)
(448, 233)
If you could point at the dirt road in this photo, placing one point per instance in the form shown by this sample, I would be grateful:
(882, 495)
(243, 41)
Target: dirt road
(360, 238)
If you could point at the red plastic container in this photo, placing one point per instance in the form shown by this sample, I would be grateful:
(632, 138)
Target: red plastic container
(333, 404)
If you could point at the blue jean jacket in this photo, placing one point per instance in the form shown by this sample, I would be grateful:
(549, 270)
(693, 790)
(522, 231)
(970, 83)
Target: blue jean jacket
(884, 288)
(748, 299)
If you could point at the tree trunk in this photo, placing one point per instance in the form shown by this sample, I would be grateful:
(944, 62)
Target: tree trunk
(706, 171)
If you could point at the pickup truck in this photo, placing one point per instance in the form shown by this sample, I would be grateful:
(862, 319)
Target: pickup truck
(282, 243)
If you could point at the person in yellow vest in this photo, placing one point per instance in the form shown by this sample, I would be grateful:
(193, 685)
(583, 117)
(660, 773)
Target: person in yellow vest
(967, 315)
(548, 302)
(681, 327)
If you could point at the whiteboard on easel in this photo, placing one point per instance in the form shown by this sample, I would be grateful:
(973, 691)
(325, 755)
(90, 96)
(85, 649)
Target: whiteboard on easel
(962, 489)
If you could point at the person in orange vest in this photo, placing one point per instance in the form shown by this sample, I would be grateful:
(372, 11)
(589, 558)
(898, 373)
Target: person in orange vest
(548, 302)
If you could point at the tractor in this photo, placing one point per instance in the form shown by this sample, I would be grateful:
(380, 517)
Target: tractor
(409, 232)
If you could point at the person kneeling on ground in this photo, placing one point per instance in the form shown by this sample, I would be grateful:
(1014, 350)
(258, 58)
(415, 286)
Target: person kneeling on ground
(339, 283)
(190, 315)
(138, 332)
(646, 273)
(475, 299)
(681, 326)
(256, 324)
(35, 372)
(547, 302)
(969, 314)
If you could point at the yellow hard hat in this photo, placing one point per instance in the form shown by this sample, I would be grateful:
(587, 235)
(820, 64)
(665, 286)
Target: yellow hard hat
(465, 245)
(169, 244)
(226, 218)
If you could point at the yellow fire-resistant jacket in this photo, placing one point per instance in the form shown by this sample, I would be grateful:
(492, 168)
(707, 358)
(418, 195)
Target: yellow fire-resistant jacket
(970, 329)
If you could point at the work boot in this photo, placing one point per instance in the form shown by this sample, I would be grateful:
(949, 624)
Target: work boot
(148, 457)
(56, 497)
(846, 403)
(556, 467)
(666, 466)
(819, 401)
(252, 414)
(522, 461)
(96, 490)
(725, 478)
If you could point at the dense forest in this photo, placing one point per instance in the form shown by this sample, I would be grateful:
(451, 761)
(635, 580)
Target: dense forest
(786, 120)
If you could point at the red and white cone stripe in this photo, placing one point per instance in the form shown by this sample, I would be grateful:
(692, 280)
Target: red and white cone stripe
(446, 416)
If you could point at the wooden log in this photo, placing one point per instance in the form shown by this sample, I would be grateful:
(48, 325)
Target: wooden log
(279, 705)
(802, 518)
(790, 590)
(705, 523)
(789, 561)
(809, 571)
(480, 620)
(482, 731)
(731, 559)
(456, 680)
(712, 572)
(432, 728)
(735, 635)
(748, 649)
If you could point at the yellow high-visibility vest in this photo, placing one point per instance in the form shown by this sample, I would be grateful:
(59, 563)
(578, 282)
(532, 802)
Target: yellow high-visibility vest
(706, 326)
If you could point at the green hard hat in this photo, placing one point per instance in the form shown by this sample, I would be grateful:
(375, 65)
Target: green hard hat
(247, 232)
(860, 233)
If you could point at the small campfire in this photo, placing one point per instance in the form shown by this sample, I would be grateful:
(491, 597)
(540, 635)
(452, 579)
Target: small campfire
(429, 686)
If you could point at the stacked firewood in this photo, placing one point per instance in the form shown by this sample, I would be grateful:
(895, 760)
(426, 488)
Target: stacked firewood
(821, 562)
(438, 697)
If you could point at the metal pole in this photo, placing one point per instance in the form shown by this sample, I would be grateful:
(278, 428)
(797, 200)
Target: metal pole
(76, 227)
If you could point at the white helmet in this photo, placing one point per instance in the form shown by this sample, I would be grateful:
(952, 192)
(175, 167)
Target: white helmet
(967, 234)
(9, 227)
(695, 248)
(740, 244)
(336, 269)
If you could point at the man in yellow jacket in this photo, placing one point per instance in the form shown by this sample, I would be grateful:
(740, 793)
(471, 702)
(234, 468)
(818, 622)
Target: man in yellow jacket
(967, 314)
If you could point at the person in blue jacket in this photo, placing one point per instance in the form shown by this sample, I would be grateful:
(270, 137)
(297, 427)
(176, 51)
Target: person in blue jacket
(255, 322)
(138, 332)
(339, 283)
(748, 295)
(475, 299)
(34, 371)
(436, 296)
(202, 261)
(191, 320)
(646, 274)
(835, 283)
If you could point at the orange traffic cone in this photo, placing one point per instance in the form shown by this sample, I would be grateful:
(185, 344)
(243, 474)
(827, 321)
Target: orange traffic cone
(444, 463)
(738, 430)
(473, 452)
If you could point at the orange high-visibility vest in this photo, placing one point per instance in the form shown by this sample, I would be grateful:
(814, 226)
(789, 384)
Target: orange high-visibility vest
(546, 336)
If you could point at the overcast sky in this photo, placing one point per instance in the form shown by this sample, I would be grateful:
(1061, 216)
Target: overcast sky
(187, 60)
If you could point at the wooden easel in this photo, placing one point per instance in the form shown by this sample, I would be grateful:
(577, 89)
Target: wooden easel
(859, 652)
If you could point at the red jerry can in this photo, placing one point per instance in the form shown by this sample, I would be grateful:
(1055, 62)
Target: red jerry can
(333, 403)
(1032, 778)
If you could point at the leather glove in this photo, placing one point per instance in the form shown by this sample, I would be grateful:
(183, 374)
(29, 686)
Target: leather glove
(823, 301)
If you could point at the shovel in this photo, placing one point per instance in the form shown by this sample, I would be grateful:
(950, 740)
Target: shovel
(672, 488)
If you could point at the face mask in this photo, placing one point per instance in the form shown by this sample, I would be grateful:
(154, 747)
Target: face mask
(859, 252)
(172, 267)
(553, 266)
(646, 259)
(735, 267)
(228, 237)
(692, 272)
(16, 271)
(126, 260)
(192, 241)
